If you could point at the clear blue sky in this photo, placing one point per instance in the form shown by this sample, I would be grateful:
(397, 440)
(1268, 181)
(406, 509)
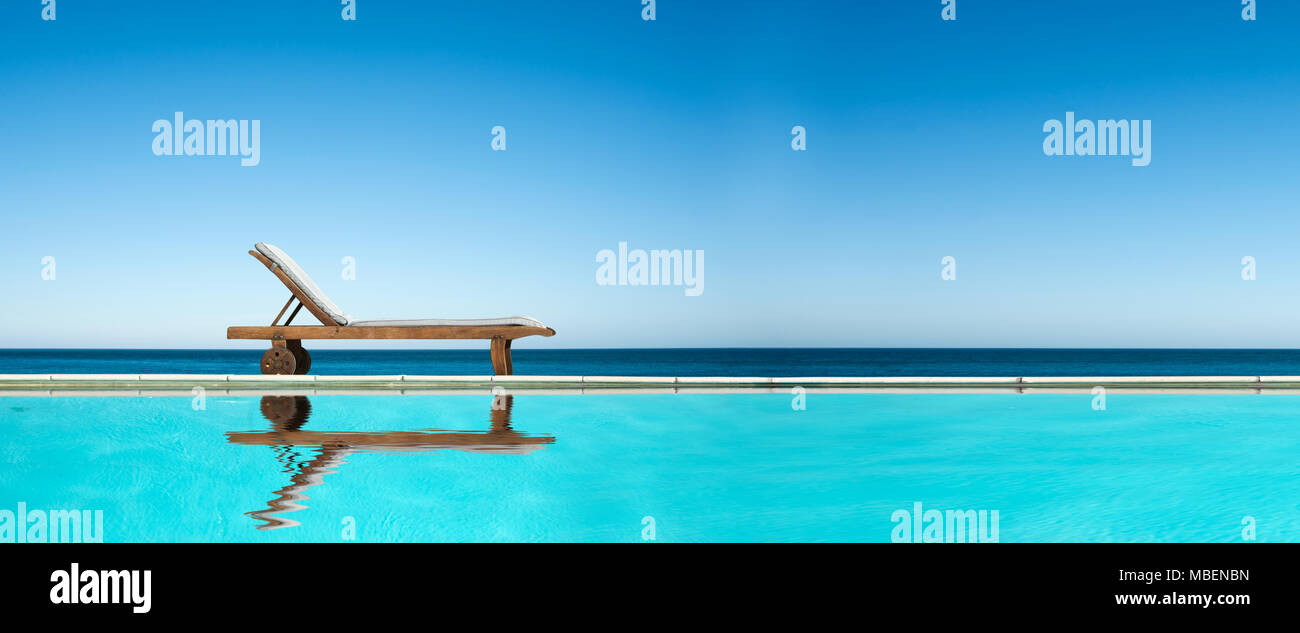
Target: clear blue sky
(924, 141)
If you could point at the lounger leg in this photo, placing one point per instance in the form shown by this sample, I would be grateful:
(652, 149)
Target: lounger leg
(500, 356)
(498, 366)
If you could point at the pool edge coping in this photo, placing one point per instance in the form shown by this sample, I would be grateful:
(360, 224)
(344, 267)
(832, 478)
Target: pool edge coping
(175, 384)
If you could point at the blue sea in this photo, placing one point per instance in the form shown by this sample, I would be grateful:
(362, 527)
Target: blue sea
(683, 362)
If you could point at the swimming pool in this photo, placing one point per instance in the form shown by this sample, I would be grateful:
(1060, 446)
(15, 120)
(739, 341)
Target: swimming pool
(657, 466)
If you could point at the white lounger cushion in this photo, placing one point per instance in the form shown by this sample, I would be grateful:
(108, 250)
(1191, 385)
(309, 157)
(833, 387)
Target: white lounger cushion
(517, 320)
(299, 276)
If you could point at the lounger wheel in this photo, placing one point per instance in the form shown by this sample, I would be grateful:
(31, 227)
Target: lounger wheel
(300, 356)
(279, 361)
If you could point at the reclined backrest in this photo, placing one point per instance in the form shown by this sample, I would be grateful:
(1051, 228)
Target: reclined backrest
(304, 282)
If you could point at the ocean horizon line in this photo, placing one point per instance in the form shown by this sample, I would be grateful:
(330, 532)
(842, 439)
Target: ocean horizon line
(580, 349)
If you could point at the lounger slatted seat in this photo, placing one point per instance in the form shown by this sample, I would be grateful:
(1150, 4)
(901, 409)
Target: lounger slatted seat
(287, 355)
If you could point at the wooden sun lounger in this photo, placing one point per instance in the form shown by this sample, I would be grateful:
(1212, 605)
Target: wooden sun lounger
(287, 355)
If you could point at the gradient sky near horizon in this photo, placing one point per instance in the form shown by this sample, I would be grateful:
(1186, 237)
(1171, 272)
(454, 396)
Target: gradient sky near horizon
(924, 140)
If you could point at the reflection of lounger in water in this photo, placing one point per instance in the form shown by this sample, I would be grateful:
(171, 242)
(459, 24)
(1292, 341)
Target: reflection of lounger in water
(289, 413)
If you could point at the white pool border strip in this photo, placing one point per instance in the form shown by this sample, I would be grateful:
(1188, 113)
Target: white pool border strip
(235, 384)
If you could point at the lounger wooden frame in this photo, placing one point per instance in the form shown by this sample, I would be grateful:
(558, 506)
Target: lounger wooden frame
(287, 356)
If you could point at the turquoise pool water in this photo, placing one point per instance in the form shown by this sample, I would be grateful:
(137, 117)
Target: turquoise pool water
(728, 467)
